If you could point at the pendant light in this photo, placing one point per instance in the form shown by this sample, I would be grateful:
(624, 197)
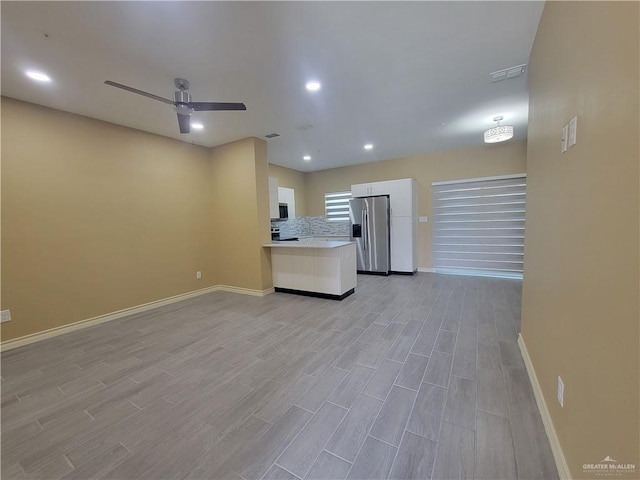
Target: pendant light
(499, 133)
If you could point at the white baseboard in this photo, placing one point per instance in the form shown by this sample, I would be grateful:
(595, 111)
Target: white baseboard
(426, 270)
(246, 291)
(558, 454)
(61, 330)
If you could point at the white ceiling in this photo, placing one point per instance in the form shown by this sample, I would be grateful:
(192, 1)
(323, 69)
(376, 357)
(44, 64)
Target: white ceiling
(392, 72)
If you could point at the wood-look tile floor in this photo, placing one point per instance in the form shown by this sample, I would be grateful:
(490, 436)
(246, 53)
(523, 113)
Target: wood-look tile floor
(410, 377)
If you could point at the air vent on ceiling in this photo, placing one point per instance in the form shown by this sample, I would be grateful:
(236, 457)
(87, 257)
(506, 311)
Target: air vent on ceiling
(272, 135)
(510, 72)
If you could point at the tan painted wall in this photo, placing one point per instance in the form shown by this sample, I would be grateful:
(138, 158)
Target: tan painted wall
(97, 218)
(488, 160)
(292, 179)
(581, 287)
(240, 187)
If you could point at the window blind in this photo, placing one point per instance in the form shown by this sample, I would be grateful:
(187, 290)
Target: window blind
(478, 226)
(336, 206)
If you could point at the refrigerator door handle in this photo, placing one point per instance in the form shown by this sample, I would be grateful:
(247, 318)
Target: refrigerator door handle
(366, 219)
(364, 230)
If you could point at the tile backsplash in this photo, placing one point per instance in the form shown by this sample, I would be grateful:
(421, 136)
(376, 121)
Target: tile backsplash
(311, 227)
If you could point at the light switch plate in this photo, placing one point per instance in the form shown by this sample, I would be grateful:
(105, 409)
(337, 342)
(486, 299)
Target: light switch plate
(565, 139)
(423, 219)
(573, 131)
(6, 316)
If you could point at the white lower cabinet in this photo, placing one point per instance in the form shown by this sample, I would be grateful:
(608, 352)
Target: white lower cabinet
(403, 244)
(282, 267)
(302, 270)
(329, 271)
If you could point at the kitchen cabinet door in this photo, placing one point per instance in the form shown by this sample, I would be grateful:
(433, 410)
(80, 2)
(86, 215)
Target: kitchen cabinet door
(369, 189)
(303, 270)
(379, 188)
(282, 267)
(360, 190)
(401, 193)
(274, 212)
(402, 244)
(288, 196)
(327, 270)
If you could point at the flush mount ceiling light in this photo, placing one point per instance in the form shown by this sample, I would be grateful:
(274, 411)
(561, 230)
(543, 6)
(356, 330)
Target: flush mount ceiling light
(499, 133)
(368, 146)
(197, 126)
(38, 76)
(313, 86)
(306, 158)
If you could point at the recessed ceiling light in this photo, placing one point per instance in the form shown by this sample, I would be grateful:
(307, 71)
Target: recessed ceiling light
(313, 86)
(197, 126)
(368, 146)
(306, 158)
(39, 76)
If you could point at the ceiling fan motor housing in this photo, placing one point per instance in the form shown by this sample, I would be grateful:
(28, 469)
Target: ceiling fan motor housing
(182, 100)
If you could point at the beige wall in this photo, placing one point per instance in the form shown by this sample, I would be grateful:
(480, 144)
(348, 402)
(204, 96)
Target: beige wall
(487, 160)
(241, 194)
(580, 298)
(97, 218)
(292, 179)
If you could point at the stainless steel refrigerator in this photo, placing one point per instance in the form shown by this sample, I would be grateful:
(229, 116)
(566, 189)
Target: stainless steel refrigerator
(369, 217)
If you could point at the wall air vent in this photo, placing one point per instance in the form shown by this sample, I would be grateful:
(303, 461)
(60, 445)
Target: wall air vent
(510, 72)
(272, 135)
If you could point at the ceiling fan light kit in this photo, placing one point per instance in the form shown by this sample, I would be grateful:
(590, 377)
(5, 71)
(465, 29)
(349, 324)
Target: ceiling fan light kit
(499, 133)
(182, 102)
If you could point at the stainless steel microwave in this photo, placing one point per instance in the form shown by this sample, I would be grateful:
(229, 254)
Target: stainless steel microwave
(284, 211)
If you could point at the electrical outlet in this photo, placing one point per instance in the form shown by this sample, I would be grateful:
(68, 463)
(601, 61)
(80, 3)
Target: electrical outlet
(573, 131)
(198, 275)
(423, 219)
(565, 139)
(560, 392)
(6, 316)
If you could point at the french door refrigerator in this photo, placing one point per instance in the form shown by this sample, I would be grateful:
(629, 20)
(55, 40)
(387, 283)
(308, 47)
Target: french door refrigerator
(369, 217)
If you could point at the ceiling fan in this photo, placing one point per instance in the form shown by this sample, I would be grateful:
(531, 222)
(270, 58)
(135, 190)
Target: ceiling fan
(182, 102)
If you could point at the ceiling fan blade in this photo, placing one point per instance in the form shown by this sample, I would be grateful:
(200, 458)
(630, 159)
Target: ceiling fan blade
(202, 106)
(139, 92)
(184, 121)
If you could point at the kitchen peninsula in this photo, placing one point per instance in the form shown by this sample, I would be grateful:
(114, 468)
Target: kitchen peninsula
(321, 268)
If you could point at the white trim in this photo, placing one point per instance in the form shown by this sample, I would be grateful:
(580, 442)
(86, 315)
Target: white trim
(554, 442)
(246, 291)
(61, 330)
(426, 270)
(481, 179)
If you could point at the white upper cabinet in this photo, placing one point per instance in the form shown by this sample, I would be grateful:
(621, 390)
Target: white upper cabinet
(360, 190)
(287, 195)
(369, 189)
(274, 211)
(402, 197)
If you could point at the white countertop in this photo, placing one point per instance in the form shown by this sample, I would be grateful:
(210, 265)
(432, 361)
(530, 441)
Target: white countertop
(308, 244)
